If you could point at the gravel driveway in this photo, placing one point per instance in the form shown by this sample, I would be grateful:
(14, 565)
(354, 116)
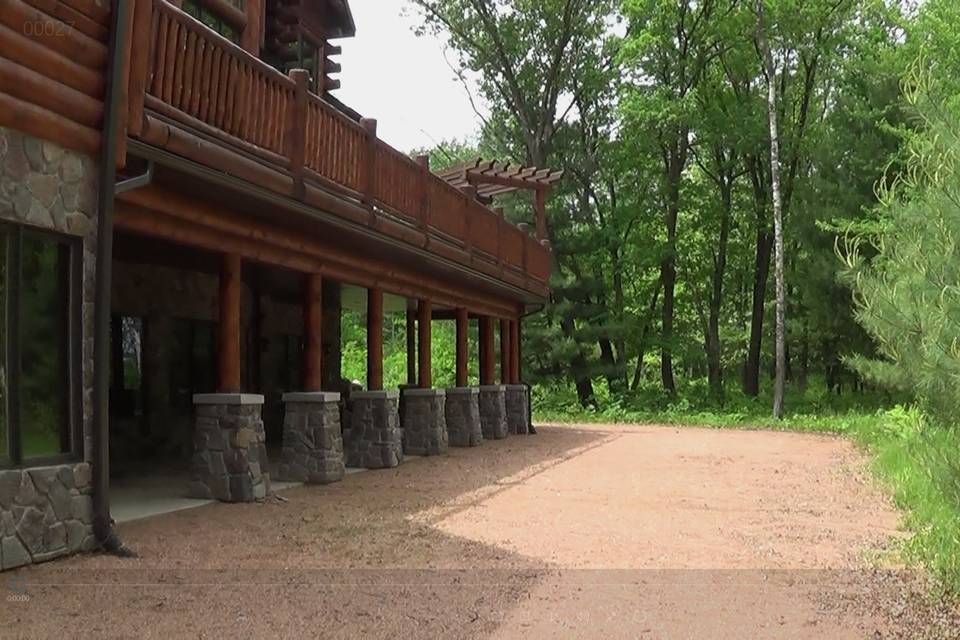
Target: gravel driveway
(581, 531)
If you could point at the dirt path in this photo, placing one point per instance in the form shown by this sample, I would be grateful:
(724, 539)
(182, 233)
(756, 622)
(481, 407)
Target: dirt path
(615, 532)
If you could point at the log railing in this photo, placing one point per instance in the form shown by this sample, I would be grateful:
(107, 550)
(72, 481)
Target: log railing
(194, 77)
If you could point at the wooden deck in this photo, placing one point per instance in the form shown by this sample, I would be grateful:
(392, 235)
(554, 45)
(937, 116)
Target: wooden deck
(195, 94)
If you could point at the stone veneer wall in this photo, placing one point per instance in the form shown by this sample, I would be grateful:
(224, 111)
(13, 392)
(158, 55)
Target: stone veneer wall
(47, 512)
(230, 454)
(463, 417)
(493, 412)
(518, 409)
(312, 439)
(424, 422)
(374, 439)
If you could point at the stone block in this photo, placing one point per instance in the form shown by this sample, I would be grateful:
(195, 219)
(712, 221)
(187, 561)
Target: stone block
(375, 439)
(229, 460)
(14, 554)
(462, 413)
(425, 422)
(312, 449)
(518, 409)
(493, 412)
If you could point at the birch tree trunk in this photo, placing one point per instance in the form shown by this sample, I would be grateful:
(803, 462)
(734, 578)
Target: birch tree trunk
(780, 377)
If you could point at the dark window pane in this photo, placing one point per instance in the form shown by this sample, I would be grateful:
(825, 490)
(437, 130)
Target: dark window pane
(44, 355)
(191, 7)
(4, 446)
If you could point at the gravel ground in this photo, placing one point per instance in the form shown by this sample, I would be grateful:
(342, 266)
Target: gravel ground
(581, 531)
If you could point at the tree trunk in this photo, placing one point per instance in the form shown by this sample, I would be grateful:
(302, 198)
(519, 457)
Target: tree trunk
(641, 352)
(578, 367)
(676, 161)
(714, 359)
(751, 374)
(778, 388)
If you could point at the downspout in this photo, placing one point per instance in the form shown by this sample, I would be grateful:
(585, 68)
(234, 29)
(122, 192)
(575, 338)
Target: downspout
(103, 531)
(533, 429)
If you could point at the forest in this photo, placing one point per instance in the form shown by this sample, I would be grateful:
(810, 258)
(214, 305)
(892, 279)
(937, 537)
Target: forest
(731, 166)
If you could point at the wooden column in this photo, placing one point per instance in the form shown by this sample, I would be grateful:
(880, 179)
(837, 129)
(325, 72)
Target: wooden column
(374, 340)
(313, 333)
(411, 347)
(540, 211)
(505, 352)
(229, 334)
(487, 351)
(515, 352)
(463, 355)
(424, 335)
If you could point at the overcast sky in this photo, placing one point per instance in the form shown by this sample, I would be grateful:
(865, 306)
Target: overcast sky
(401, 80)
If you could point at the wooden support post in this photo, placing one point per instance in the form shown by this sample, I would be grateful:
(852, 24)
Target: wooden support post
(313, 333)
(139, 63)
(229, 302)
(369, 166)
(296, 134)
(424, 335)
(515, 352)
(540, 210)
(374, 340)
(463, 356)
(411, 346)
(488, 364)
(504, 352)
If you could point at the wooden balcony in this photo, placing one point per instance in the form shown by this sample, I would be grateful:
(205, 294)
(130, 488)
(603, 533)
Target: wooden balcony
(196, 94)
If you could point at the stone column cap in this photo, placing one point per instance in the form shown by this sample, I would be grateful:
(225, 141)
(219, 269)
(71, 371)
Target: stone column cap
(517, 387)
(492, 387)
(387, 394)
(228, 398)
(311, 396)
(463, 391)
(432, 393)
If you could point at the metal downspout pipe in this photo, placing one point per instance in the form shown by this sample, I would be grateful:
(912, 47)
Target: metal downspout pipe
(102, 522)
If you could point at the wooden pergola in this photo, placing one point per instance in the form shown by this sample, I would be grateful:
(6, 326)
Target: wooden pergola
(491, 178)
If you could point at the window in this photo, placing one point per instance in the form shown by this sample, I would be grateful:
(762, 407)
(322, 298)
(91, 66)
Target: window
(206, 12)
(302, 54)
(39, 342)
(126, 366)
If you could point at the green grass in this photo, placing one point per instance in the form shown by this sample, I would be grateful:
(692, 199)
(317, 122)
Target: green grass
(915, 456)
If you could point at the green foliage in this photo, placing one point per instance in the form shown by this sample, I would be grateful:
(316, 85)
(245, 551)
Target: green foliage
(905, 273)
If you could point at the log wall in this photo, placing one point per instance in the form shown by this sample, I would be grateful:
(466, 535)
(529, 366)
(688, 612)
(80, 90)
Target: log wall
(53, 58)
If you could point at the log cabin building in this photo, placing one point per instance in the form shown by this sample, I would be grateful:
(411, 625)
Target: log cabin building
(186, 211)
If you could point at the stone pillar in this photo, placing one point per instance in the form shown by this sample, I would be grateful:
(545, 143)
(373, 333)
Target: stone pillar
(312, 442)
(229, 454)
(462, 412)
(518, 409)
(424, 422)
(374, 438)
(493, 412)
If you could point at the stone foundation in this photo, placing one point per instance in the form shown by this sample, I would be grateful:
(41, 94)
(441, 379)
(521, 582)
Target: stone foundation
(374, 440)
(462, 414)
(518, 409)
(493, 412)
(229, 457)
(312, 441)
(424, 422)
(45, 513)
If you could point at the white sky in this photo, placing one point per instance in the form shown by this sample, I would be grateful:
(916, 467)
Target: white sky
(401, 80)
